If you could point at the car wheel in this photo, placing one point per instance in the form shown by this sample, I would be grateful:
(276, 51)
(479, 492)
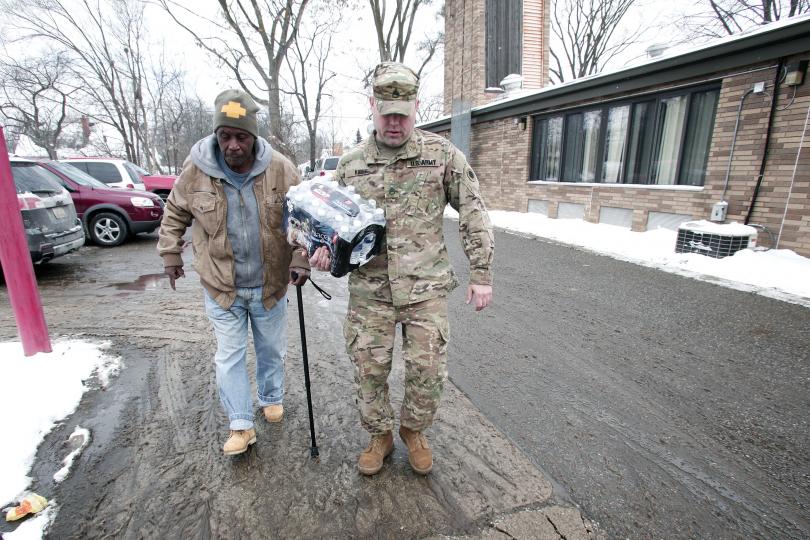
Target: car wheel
(108, 229)
(163, 195)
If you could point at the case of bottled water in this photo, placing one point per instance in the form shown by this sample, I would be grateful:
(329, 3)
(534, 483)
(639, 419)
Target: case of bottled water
(323, 213)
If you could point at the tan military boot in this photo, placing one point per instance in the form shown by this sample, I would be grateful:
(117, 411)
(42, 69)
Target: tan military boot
(371, 459)
(419, 454)
(239, 441)
(274, 413)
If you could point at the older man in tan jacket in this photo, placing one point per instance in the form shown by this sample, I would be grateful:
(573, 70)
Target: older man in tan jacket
(231, 192)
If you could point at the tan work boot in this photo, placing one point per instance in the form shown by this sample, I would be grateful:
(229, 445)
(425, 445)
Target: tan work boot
(419, 454)
(239, 441)
(371, 459)
(274, 413)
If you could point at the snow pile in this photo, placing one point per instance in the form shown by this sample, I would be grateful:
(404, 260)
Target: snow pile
(777, 273)
(40, 391)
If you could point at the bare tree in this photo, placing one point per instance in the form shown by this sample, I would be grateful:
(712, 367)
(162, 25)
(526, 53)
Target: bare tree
(258, 34)
(308, 64)
(12, 135)
(103, 42)
(35, 93)
(394, 24)
(430, 108)
(717, 18)
(166, 90)
(588, 37)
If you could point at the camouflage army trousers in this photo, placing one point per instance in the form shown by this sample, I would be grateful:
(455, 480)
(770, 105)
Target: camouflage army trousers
(369, 330)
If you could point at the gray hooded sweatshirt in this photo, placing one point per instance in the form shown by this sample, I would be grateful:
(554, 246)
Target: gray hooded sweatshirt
(242, 217)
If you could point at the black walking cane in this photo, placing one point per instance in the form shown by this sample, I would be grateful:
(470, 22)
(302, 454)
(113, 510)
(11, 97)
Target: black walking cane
(313, 450)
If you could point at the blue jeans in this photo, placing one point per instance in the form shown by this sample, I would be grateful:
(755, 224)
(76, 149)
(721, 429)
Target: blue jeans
(269, 341)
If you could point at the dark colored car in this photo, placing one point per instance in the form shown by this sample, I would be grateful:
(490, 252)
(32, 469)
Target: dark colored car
(109, 215)
(49, 216)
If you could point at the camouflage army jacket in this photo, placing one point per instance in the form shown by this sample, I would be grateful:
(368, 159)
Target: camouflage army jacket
(413, 188)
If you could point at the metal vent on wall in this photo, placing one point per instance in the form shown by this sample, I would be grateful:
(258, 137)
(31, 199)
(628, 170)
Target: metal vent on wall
(714, 240)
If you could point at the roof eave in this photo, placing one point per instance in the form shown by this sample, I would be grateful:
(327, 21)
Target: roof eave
(757, 48)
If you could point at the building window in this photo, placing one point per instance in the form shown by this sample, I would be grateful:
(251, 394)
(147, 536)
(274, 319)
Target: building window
(504, 39)
(615, 142)
(662, 140)
(547, 147)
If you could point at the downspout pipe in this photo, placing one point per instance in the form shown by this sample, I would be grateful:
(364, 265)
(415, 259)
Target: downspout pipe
(767, 148)
(734, 141)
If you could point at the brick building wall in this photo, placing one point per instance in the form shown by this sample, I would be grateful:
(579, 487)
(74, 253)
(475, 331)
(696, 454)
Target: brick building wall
(773, 203)
(464, 75)
(500, 155)
(535, 43)
(465, 50)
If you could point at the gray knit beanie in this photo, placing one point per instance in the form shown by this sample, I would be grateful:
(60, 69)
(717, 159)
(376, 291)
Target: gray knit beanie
(236, 109)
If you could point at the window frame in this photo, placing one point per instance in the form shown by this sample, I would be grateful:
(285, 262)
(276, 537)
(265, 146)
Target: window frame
(104, 169)
(604, 108)
(503, 41)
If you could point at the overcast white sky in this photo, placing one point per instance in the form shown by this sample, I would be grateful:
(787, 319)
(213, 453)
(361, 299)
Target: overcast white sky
(354, 49)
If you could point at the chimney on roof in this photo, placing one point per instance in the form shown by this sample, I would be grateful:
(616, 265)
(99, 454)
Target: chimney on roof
(486, 40)
(512, 83)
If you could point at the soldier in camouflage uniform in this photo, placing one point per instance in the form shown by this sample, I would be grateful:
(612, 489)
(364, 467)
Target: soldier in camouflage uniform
(412, 174)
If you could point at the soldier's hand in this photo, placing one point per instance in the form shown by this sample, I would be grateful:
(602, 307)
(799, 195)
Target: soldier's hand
(298, 276)
(321, 259)
(174, 273)
(480, 294)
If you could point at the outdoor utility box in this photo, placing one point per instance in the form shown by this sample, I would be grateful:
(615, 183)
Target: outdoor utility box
(719, 211)
(714, 239)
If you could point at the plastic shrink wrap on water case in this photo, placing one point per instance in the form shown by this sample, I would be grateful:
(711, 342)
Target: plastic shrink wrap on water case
(324, 213)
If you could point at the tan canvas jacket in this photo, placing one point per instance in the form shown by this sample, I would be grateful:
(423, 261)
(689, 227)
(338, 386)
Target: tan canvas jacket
(198, 200)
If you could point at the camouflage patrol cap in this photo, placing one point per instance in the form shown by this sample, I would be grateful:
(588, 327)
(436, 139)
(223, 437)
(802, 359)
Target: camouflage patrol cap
(395, 87)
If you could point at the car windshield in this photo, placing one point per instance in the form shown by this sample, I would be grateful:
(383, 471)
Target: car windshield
(77, 175)
(29, 178)
(135, 172)
(330, 164)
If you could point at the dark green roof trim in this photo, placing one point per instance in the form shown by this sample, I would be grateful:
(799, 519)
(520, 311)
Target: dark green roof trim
(750, 50)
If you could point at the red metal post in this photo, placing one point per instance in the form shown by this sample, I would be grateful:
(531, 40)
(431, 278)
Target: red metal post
(17, 266)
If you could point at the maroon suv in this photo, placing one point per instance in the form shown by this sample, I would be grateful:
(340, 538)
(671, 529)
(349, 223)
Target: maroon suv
(109, 215)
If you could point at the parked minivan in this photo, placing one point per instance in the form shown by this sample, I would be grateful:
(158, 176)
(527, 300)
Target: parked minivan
(109, 216)
(49, 216)
(121, 173)
(116, 173)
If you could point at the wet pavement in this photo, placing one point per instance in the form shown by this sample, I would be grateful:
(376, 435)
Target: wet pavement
(666, 407)
(154, 466)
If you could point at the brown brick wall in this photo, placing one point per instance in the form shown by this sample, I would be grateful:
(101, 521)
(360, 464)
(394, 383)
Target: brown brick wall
(465, 50)
(464, 28)
(500, 155)
(535, 35)
(773, 203)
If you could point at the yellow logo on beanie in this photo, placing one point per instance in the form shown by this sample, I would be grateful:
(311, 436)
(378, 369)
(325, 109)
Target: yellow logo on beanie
(233, 110)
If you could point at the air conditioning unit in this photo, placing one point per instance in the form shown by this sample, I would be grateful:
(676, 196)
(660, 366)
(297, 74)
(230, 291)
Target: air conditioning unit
(714, 239)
